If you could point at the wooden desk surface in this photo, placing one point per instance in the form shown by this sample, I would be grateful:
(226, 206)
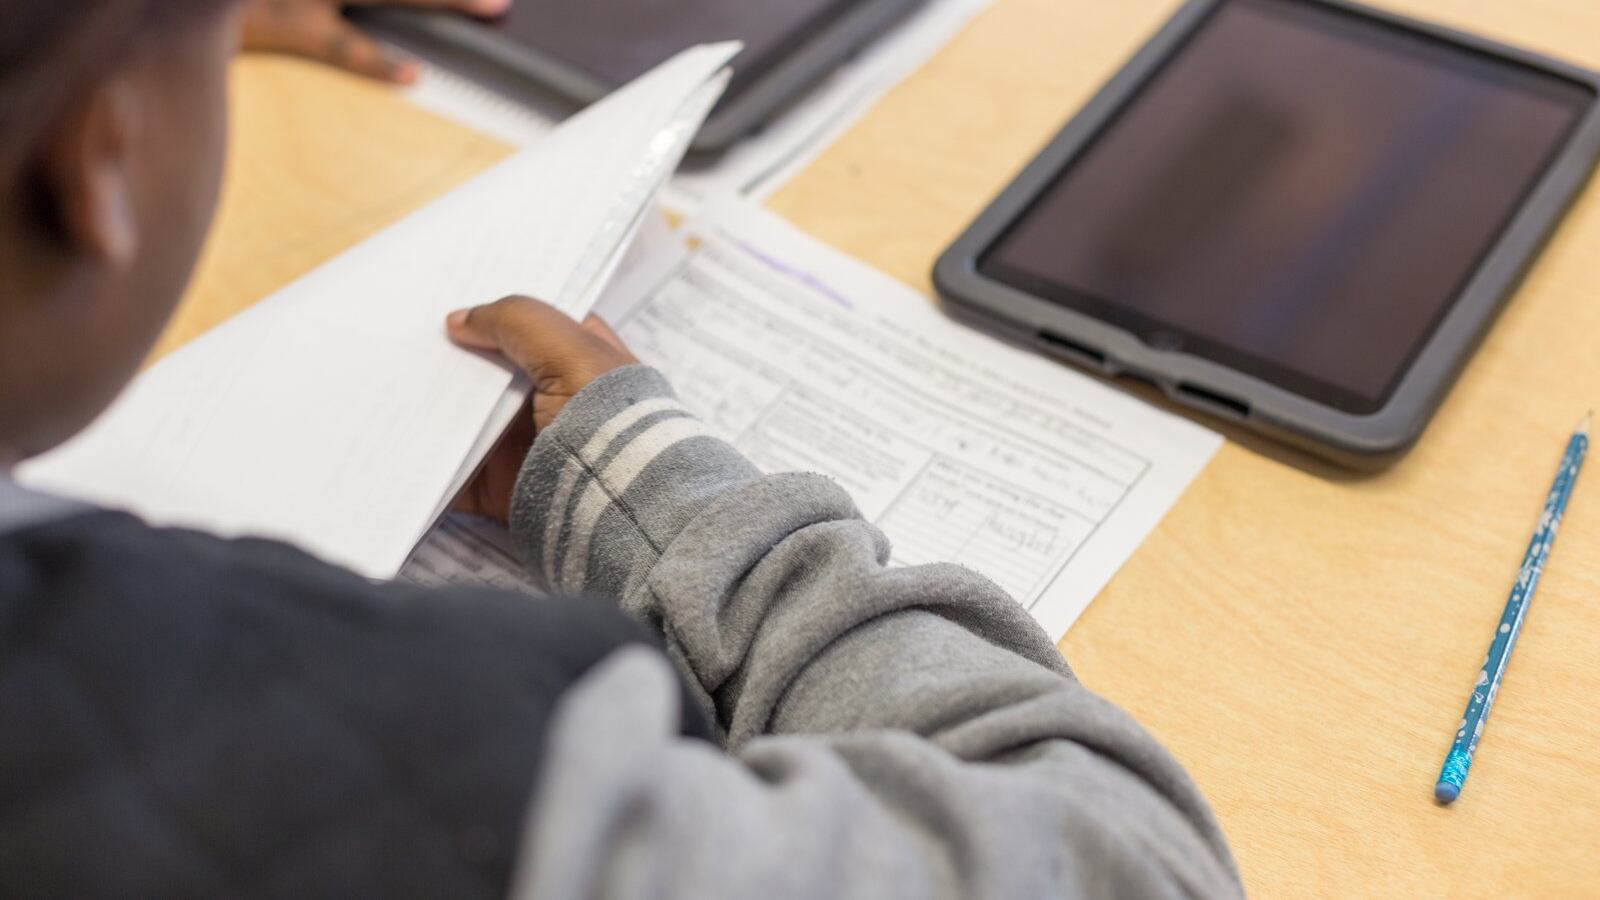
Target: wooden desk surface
(1302, 640)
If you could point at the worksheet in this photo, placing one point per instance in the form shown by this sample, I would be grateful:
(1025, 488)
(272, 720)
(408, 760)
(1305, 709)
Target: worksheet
(471, 552)
(962, 448)
(762, 162)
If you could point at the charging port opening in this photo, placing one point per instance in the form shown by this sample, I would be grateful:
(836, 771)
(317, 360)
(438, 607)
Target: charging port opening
(1065, 346)
(1220, 403)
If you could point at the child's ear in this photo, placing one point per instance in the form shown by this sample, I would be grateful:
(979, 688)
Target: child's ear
(88, 172)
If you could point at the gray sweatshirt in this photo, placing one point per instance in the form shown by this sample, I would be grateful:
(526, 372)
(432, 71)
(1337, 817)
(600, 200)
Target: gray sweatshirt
(889, 732)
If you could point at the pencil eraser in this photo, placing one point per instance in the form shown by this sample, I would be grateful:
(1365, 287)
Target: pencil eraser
(1445, 792)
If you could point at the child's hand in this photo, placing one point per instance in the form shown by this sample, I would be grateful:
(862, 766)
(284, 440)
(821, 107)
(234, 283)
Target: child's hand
(560, 355)
(315, 29)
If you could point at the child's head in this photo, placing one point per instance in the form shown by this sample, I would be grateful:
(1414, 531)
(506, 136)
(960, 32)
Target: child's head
(112, 130)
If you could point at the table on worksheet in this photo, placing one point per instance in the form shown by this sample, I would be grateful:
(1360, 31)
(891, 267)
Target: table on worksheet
(1302, 639)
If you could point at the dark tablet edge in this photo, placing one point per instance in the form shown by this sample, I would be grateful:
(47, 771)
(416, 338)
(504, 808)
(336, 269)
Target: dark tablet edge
(788, 81)
(1362, 442)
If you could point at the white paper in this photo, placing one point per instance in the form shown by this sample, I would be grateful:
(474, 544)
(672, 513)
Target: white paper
(762, 162)
(962, 448)
(478, 107)
(336, 414)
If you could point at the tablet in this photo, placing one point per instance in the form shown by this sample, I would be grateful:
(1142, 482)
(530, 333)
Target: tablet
(1297, 214)
(581, 50)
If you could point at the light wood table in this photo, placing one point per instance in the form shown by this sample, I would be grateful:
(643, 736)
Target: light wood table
(1303, 640)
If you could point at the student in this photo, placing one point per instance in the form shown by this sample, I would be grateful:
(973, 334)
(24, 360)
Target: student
(761, 709)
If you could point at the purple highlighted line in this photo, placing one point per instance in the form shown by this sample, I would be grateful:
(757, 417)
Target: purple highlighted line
(800, 275)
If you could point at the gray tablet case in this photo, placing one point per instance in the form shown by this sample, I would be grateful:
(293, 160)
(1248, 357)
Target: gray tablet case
(528, 75)
(1358, 441)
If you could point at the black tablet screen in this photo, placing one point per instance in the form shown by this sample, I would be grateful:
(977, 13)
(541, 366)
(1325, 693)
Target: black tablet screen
(615, 41)
(1299, 193)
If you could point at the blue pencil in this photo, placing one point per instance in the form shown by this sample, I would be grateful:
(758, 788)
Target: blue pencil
(1456, 763)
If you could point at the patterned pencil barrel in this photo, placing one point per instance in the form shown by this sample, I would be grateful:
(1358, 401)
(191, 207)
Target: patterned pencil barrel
(1456, 763)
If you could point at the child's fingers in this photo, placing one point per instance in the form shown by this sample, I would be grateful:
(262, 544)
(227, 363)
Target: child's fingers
(598, 327)
(534, 335)
(485, 8)
(467, 332)
(348, 48)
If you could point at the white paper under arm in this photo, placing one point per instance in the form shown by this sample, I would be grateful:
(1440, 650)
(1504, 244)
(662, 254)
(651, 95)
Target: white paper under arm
(336, 414)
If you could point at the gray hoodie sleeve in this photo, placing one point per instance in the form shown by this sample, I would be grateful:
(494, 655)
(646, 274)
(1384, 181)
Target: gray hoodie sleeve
(890, 732)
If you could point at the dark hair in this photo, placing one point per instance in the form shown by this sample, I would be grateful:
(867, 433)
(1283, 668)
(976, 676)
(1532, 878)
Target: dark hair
(49, 49)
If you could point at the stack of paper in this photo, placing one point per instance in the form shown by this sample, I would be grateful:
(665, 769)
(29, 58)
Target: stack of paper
(336, 414)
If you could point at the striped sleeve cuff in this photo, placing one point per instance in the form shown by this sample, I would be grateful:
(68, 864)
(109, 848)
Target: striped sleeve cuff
(613, 480)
